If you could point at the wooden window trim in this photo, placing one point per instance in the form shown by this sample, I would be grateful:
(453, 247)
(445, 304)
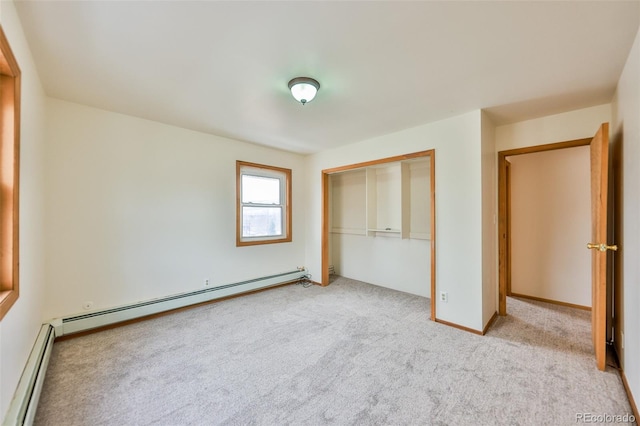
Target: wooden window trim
(288, 220)
(9, 176)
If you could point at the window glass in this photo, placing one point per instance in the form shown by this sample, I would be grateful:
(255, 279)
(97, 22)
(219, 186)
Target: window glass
(263, 204)
(260, 189)
(261, 221)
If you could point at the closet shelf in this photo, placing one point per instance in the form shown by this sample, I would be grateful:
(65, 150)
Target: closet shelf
(387, 200)
(348, 231)
(420, 235)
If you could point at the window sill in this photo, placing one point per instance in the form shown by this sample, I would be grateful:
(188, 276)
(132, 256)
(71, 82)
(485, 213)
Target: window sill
(7, 299)
(260, 242)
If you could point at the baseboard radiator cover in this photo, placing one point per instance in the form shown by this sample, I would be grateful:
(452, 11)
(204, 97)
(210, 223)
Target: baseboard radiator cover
(25, 399)
(23, 407)
(100, 318)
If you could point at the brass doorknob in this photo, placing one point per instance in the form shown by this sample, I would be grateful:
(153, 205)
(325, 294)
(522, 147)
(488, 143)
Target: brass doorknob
(602, 247)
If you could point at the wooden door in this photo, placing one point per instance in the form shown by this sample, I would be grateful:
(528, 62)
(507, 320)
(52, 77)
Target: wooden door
(508, 220)
(598, 245)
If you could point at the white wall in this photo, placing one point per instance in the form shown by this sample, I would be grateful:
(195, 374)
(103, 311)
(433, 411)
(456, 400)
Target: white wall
(138, 209)
(489, 221)
(19, 328)
(400, 264)
(551, 223)
(626, 141)
(457, 144)
(578, 124)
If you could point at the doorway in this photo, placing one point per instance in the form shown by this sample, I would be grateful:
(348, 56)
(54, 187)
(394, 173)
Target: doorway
(601, 258)
(548, 222)
(505, 222)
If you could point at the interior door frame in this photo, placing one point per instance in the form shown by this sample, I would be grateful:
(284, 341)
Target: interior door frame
(504, 212)
(325, 212)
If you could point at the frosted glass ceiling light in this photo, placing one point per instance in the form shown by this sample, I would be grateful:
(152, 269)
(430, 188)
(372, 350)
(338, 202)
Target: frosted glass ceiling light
(304, 89)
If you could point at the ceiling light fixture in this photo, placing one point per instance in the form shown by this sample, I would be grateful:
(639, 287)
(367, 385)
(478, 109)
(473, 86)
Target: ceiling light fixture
(304, 89)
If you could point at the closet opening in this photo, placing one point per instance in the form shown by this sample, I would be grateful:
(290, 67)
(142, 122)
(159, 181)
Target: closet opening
(378, 223)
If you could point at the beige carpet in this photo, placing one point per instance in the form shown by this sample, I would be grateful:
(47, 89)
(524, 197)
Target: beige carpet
(347, 354)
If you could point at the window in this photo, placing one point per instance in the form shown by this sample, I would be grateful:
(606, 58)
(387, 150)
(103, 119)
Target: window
(263, 196)
(9, 173)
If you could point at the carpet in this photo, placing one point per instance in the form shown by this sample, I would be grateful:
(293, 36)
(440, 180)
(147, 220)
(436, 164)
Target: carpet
(347, 354)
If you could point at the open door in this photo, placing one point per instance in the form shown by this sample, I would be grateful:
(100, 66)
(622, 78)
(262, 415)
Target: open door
(598, 245)
(508, 225)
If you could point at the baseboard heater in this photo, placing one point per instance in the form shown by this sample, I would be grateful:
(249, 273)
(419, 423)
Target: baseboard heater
(99, 318)
(25, 400)
(22, 409)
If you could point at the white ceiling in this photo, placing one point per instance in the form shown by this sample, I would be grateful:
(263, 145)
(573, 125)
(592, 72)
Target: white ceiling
(223, 67)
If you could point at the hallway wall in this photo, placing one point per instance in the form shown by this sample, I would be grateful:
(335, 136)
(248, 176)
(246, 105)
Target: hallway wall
(550, 225)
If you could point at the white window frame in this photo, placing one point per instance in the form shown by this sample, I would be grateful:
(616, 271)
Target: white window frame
(284, 175)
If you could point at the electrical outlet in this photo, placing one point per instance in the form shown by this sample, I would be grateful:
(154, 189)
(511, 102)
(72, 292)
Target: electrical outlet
(444, 296)
(206, 282)
(87, 305)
